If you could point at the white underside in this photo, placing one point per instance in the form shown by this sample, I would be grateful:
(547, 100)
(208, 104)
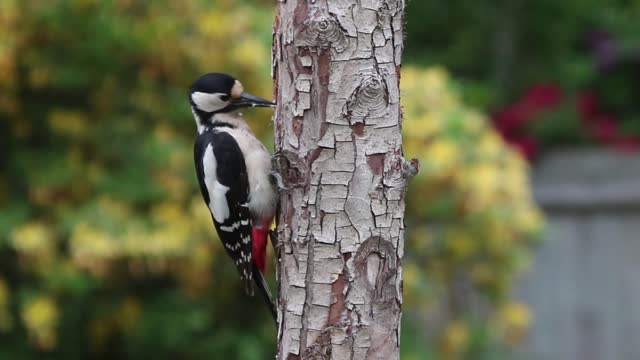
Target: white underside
(262, 196)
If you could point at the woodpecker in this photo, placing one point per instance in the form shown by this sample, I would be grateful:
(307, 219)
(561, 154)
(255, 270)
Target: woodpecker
(234, 172)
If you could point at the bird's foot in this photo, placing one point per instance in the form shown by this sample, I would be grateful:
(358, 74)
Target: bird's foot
(276, 179)
(275, 242)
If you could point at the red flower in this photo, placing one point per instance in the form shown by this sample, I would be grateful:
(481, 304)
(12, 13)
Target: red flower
(604, 128)
(627, 144)
(587, 105)
(511, 118)
(527, 146)
(543, 96)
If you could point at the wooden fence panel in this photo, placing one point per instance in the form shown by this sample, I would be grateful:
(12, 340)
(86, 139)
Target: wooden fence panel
(584, 286)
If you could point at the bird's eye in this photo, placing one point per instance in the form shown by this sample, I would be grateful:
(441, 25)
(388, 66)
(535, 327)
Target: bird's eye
(224, 97)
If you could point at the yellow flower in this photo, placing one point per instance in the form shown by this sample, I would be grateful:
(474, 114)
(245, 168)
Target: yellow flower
(410, 273)
(424, 90)
(516, 315)
(40, 317)
(167, 212)
(514, 320)
(455, 338)
(483, 177)
(475, 123)
(202, 256)
(200, 215)
(423, 127)
(68, 122)
(170, 240)
(515, 162)
(8, 12)
(490, 145)
(215, 23)
(442, 154)
(481, 182)
(88, 243)
(435, 77)
(249, 53)
(528, 220)
(114, 207)
(33, 238)
(135, 241)
(461, 243)
(500, 234)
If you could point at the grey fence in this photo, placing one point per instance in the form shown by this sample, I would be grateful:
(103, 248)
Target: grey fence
(584, 286)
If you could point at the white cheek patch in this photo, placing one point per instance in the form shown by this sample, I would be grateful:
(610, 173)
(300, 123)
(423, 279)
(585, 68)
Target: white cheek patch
(208, 102)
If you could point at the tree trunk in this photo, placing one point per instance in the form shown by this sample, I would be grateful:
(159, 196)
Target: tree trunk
(339, 153)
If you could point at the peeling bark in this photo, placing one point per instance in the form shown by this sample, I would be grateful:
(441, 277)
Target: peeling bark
(339, 152)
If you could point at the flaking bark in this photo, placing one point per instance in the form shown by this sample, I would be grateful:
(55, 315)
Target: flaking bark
(339, 152)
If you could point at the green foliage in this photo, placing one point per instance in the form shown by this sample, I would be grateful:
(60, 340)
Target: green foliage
(501, 47)
(106, 249)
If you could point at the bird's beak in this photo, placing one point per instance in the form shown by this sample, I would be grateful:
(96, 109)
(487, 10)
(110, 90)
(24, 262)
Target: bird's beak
(248, 100)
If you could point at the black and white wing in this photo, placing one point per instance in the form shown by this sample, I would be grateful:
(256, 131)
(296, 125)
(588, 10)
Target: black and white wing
(222, 175)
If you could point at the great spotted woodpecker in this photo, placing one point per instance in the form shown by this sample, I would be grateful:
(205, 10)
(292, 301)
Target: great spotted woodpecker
(234, 173)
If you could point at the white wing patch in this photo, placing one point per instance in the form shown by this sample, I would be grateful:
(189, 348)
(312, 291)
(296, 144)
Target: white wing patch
(217, 192)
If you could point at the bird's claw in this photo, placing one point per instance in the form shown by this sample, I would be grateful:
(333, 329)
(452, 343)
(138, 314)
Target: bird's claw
(275, 239)
(277, 180)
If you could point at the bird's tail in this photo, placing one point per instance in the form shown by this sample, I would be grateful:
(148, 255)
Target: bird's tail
(263, 289)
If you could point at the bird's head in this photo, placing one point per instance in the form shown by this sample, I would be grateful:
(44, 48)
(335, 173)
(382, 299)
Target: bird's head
(221, 93)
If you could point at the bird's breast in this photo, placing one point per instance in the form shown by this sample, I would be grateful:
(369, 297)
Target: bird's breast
(262, 195)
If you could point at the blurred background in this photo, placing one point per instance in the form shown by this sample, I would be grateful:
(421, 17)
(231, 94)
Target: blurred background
(522, 225)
